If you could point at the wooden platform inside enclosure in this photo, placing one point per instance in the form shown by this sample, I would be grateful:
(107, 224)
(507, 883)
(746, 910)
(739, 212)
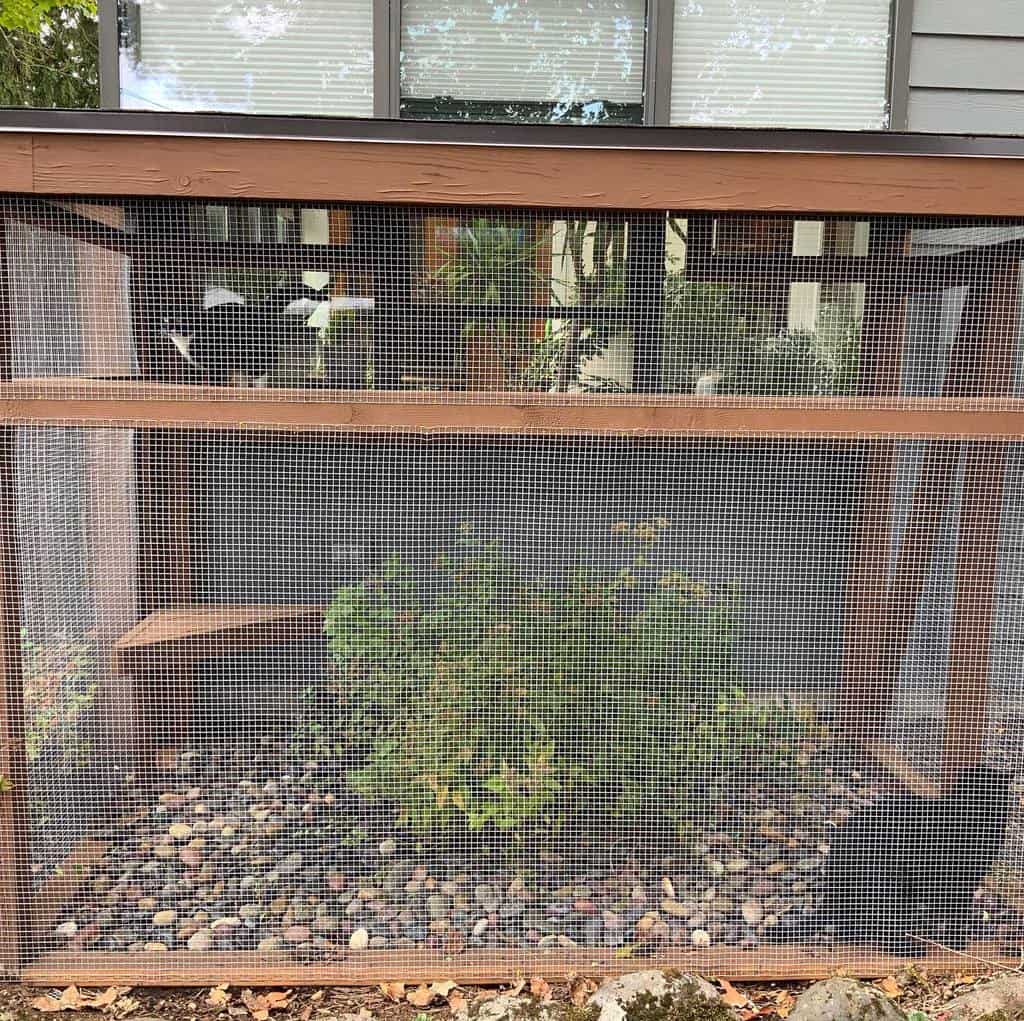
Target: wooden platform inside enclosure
(213, 630)
(365, 968)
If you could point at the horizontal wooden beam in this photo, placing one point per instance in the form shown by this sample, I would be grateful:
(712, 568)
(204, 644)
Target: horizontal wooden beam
(317, 170)
(240, 968)
(118, 404)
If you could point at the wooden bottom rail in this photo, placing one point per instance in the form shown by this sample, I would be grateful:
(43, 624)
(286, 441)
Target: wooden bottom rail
(242, 968)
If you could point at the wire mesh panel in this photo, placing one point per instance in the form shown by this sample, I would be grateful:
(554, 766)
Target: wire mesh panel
(383, 701)
(296, 302)
(476, 686)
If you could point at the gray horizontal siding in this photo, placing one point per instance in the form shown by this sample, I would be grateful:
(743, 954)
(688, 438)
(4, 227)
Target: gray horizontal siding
(962, 111)
(957, 62)
(974, 18)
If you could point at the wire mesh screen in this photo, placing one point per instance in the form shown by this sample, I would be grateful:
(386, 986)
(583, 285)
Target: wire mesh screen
(447, 695)
(359, 704)
(296, 302)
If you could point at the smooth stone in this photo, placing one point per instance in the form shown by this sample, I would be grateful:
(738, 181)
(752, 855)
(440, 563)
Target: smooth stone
(844, 999)
(296, 933)
(752, 911)
(269, 944)
(700, 938)
(487, 897)
(359, 940)
(388, 846)
(326, 923)
(437, 905)
(200, 940)
(67, 929)
(164, 918)
(675, 908)
(155, 946)
(737, 865)
(180, 830)
(480, 927)
(291, 864)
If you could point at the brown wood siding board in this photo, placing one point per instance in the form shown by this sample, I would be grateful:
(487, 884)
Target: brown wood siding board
(402, 173)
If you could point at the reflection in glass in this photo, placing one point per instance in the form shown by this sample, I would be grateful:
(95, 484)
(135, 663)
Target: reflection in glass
(534, 60)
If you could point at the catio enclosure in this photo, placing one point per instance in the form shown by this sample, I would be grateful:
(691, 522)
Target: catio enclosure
(431, 551)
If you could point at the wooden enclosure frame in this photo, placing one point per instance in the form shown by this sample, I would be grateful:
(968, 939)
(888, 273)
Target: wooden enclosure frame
(644, 170)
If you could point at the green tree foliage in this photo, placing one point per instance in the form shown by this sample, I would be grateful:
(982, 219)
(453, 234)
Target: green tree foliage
(49, 53)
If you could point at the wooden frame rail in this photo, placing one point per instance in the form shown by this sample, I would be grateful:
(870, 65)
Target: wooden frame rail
(642, 170)
(118, 404)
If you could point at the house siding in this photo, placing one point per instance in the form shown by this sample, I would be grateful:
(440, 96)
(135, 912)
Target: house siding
(966, 68)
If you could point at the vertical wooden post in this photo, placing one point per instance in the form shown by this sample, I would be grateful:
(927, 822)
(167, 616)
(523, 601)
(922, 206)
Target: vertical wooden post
(14, 828)
(645, 293)
(864, 692)
(978, 539)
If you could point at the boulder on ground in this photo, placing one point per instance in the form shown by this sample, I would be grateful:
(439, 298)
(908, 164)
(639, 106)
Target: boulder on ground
(616, 994)
(845, 999)
(1005, 993)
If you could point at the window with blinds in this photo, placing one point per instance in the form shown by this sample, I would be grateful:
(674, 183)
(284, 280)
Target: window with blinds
(286, 57)
(781, 63)
(537, 60)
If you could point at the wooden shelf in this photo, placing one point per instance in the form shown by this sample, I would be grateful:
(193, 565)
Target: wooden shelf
(190, 632)
(126, 403)
(241, 968)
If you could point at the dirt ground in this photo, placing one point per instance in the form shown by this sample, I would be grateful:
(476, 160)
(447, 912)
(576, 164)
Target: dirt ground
(398, 1002)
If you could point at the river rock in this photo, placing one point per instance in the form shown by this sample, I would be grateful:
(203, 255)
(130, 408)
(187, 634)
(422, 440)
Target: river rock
(615, 994)
(844, 999)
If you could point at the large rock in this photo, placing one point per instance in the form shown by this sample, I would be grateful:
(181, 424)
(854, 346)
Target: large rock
(510, 1008)
(615, 995)
(845, 999)
(1005, 993)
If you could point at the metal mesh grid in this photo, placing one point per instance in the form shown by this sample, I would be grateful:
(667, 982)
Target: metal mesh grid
(294, 302)
(578, 696)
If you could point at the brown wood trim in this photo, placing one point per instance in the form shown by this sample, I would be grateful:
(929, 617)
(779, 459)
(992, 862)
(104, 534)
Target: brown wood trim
(14, 840)
(737, 418)
(981, 505)
(16, 172)
(60, 888)
(240, 968)
(894, 762)
(483, 175)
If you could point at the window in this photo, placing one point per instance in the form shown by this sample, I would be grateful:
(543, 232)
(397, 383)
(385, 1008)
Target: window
(781, 63)
(743, 63)
(531, 60)
(287, 57)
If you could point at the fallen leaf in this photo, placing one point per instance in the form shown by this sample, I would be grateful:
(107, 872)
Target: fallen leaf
(890, 987)
(306, 1013)
(126, 1005)
(784, 1003)
(540, 988)
(394, 991)
(626, 950)
(421, 996)
(47, 1004)
(458, 1002)
(581, 989)
(108, 997)
(317, 996)
(218, 996)
(260, 1005)
(731, 996)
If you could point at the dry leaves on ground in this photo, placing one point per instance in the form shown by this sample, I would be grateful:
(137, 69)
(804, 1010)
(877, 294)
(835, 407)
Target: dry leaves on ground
(731, 996)
(424, 996)
(394, 991)
(890, 987)
(260, 1005)
(581, 989)
(540, 988)
(73, 998)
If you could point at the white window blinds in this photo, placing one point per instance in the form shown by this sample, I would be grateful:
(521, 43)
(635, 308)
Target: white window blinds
(524, 51)
(781, 63)
(283, 57)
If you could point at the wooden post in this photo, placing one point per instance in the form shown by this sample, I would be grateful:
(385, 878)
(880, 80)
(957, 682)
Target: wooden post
(14, 828)
(864, 694)
(981, 502)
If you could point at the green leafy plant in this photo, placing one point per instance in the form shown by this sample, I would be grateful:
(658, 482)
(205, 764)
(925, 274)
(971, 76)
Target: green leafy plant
(485, 694)
(49, 53)
(717, 343)
(60, 686)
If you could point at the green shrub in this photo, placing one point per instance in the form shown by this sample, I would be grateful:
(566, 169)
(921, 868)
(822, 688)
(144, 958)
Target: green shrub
(490, 696)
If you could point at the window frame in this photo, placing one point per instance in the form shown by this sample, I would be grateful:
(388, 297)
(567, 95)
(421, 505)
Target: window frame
(657, 70)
